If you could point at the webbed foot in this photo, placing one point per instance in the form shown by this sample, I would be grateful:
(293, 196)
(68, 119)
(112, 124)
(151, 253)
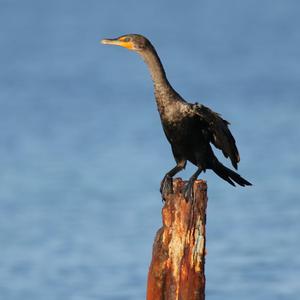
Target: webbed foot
(166, 186)
(188, 191)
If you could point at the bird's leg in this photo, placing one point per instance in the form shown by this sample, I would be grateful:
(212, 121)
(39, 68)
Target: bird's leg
(188, 190)
(166, 186)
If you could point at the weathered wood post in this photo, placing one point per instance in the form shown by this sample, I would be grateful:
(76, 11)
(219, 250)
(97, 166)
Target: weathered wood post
(177, 267)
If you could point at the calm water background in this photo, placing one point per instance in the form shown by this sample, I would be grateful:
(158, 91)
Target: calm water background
(83, 153)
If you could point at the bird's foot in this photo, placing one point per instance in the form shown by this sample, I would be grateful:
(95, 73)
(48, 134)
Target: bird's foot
(188, 191)
(166, 186)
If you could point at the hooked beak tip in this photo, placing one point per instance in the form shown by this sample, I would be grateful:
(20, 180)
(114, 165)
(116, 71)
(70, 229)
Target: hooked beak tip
(104, 41)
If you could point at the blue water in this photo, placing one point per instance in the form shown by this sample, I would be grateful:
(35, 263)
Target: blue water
(82, 151)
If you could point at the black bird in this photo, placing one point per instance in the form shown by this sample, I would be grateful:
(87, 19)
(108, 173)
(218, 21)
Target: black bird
(190, 128)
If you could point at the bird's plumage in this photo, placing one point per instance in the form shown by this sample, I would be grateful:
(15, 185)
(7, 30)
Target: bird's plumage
(220, 135)
(190, 128)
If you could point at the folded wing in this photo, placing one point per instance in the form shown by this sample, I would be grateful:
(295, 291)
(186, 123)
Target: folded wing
(220, 135)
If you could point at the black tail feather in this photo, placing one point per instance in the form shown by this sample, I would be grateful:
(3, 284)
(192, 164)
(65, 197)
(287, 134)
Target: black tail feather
(229, 175)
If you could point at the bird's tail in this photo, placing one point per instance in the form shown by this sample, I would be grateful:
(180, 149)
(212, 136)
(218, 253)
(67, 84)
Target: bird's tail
(229, 175)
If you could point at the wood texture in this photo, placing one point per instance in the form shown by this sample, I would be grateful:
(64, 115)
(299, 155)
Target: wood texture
(177, 267)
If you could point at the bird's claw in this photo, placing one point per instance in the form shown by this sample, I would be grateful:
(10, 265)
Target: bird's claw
(188, 191)
(166, 186)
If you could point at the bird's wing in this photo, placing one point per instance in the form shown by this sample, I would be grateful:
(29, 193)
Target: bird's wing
(220, 134)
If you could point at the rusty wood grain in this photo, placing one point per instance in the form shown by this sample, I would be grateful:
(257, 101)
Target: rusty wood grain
(177, 267)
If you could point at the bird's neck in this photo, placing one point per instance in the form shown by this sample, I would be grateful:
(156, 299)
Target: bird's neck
(158, 74)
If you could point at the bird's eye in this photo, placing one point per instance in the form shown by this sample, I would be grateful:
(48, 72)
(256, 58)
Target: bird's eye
(127, 39)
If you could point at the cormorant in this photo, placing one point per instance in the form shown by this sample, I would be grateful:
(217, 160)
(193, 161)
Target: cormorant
(190, 128)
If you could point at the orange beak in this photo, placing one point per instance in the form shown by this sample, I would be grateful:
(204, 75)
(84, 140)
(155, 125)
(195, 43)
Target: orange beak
(118, 42)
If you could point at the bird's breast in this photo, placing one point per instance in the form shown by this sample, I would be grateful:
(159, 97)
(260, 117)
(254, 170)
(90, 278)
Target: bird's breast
(179, 129)
(173, 112)
(176, 117)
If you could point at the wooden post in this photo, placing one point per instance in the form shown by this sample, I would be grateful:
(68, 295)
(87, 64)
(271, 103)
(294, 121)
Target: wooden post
(177, 267)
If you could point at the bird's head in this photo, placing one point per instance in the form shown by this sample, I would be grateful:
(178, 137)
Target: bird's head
(134, 42)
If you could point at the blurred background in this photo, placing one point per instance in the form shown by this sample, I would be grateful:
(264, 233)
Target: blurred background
(83, 152)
